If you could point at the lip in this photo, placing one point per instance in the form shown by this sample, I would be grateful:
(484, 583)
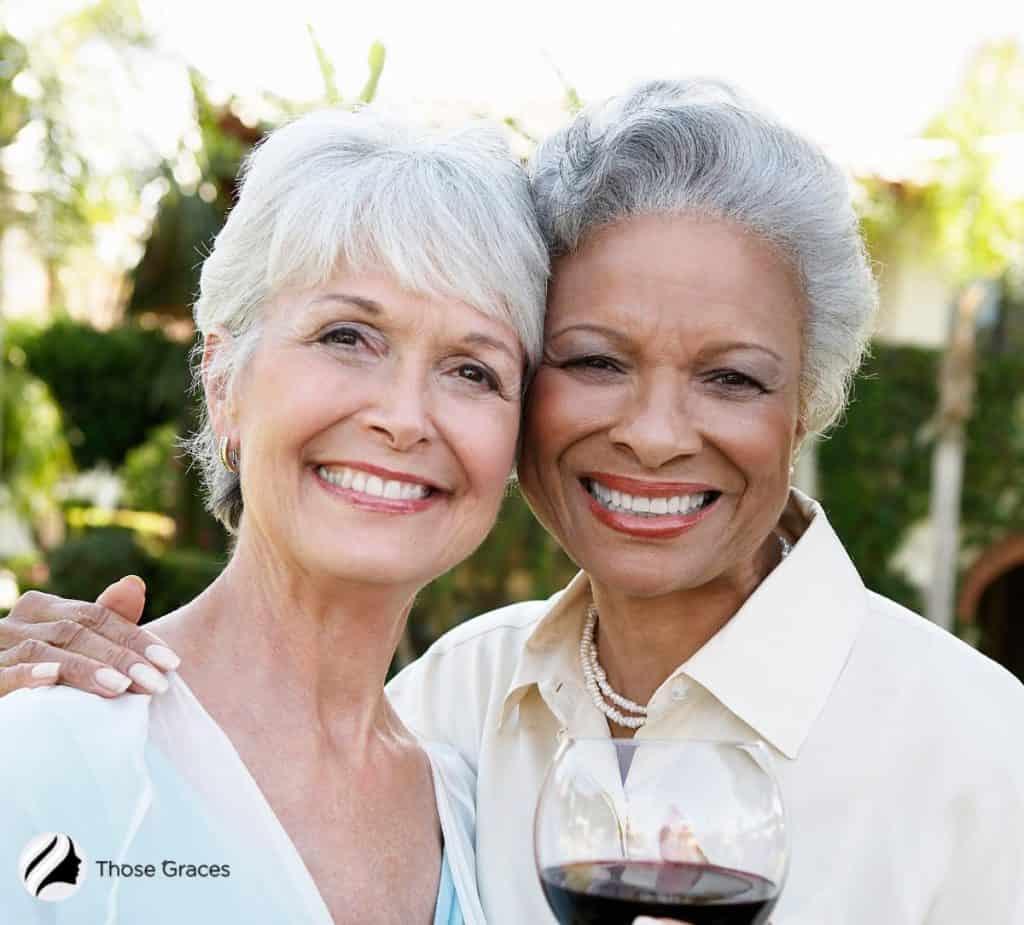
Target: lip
(644, 487)
(376, 504)
(665, 527)
(382, 472)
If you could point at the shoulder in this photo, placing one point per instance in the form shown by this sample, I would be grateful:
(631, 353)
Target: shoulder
(940, 676)
(68, 719)
(486, 643)
(493, 629)
(447, 693)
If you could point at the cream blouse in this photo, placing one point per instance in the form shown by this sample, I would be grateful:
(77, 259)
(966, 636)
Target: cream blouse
(899, 749)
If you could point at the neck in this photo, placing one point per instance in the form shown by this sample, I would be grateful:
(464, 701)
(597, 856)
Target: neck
(267, 637)
(642, 640)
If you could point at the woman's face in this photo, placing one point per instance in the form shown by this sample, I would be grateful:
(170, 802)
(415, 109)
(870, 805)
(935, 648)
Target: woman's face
(377, 429)
(661, 426)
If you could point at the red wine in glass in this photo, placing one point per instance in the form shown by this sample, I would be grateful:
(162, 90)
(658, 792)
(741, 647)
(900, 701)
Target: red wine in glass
(616, 892)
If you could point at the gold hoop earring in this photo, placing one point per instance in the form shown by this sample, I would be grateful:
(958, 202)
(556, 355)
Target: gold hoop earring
(228, 457)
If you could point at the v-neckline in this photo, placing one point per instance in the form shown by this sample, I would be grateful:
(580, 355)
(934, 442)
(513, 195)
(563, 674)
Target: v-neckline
(286, 846)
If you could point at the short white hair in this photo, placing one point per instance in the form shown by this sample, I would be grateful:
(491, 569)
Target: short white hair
(699, 147)
(446, 214)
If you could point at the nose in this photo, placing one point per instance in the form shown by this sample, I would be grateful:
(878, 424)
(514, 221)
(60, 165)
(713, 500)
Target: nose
(658, 426)
(400, 415)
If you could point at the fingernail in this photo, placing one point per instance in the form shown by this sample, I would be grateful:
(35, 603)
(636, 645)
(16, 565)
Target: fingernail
(112, 680)
(46, 671)
(149, 678)
(162, 657)
(136, 579)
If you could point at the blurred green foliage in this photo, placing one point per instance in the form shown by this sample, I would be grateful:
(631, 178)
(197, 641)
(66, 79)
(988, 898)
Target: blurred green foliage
(150, 475)
(112, 386)
(93, 558)
(34, 455)
(876, 466)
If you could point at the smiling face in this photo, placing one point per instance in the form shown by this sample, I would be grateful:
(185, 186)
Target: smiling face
(661, 426)
(377, 430)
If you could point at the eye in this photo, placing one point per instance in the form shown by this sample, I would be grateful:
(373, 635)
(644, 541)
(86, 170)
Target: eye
(479, 375)
(732, 379)
(595, 363)
(343, 337)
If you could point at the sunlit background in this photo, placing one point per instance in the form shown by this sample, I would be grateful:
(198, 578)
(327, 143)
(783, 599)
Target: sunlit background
(123, 124)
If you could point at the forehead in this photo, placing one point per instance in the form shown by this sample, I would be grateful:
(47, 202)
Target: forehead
(676, 270)
(377, 295)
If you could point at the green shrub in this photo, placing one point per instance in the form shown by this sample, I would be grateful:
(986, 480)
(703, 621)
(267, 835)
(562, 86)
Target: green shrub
(179, 576)
(34, 455)
(113, 386)
(93, 558)
(151, 472)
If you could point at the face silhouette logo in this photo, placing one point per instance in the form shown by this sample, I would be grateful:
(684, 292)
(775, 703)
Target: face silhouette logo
(51, 867)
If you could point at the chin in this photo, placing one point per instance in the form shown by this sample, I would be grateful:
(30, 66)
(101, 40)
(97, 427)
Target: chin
(642, 576)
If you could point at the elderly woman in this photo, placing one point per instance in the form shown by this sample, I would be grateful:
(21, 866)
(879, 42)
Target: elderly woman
(368, 313)
(709, 304)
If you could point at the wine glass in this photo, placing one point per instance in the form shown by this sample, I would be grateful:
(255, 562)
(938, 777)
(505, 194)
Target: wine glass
(686, 830)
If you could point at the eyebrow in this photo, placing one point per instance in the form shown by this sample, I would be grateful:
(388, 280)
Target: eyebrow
(370, 305)
(715, 348)
(373, 307)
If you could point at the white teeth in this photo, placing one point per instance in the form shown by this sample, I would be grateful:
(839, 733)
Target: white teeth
(372, 484)
(650, 506)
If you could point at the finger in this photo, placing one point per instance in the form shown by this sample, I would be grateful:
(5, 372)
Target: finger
(127, 597)
(72, 636)
(76, 616)
(41, 674)
(79, 671)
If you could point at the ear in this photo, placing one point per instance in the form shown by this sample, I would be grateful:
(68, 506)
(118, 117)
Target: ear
(217, 389)
(799, 435)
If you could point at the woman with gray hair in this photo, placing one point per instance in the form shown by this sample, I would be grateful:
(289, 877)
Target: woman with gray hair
(369, 315)
(709, 304)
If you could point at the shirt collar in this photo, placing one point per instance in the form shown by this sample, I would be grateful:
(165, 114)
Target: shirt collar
(551, 653)
(773, 664)
(776, 661)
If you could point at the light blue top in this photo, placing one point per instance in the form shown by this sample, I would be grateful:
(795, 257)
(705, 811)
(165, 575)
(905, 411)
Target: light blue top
(447, 911)
(154, 781)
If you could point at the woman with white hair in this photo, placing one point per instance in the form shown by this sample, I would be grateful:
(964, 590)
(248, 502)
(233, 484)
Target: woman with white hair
(709, 304)
(369, 315)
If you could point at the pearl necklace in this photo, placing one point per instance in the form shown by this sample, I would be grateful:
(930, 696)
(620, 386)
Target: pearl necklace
(605, 697)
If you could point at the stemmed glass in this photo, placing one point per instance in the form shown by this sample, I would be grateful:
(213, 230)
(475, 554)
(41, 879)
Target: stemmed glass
(686, 830)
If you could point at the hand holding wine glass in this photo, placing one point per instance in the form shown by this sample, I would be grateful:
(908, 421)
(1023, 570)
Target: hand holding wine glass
(688, 832)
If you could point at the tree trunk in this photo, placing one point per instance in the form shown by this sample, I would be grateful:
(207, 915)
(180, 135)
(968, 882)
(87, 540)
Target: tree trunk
(956, 395)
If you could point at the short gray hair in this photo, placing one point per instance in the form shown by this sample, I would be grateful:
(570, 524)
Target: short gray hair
(699, 147)
(446, 214)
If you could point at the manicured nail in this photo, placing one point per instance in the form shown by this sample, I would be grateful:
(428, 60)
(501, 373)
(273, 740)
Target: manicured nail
(149, 678)
(46, 671)
(112, 680)
(162, 657)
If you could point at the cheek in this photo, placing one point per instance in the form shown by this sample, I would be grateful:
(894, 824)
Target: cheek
(484, 440)
(760, 443)
(559, 411)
